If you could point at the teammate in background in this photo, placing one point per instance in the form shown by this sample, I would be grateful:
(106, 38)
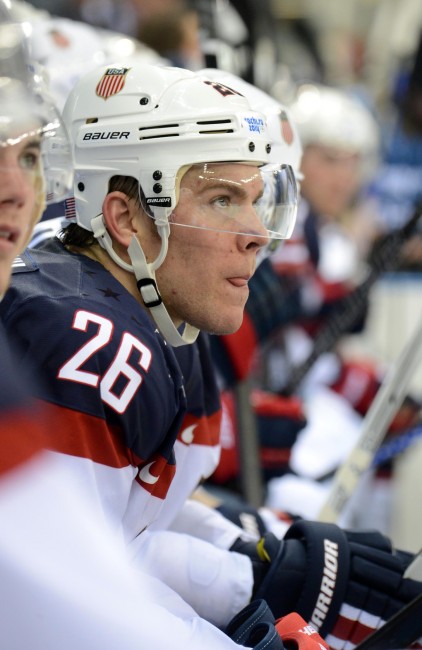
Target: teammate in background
(65, 578)
(110, 374)
(332, 236)
(323, 263)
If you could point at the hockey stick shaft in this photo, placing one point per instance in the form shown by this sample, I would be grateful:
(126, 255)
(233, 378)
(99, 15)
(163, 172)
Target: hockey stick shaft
(387, 401)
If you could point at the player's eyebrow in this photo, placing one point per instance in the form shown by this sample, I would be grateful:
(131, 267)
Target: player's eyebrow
(233, 187)
(34, 143)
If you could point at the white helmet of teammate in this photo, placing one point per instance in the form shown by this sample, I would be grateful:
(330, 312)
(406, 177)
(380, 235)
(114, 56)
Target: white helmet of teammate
(152, 123)
(27, 111)
(333, 118)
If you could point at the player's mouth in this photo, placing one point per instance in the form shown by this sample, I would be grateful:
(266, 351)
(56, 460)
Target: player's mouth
(241, 281)
(9, 235)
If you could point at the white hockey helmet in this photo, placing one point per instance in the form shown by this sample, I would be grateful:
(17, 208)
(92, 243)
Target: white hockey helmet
(331, 117)
(150, 122)
(26, 110)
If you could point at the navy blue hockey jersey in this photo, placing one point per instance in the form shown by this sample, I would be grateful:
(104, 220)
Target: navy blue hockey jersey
(115, 386)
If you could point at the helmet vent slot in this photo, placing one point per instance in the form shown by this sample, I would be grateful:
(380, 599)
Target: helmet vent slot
(156, 131)
(173, 130)
(214, 122)
(216, 126)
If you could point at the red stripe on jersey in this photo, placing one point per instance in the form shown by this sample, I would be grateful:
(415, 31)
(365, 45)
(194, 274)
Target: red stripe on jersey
(156, 476)
(22, 436)
(201, 431)
(86, 436)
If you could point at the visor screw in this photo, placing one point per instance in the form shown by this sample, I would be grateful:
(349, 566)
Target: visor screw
(157, 175)
(144, 101)
(268, 148)
(251, 146)
(81, 187)
(157, 188)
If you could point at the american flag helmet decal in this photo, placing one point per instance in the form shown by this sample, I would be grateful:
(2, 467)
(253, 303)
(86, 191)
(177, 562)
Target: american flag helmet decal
(112, 82)
(69, 208)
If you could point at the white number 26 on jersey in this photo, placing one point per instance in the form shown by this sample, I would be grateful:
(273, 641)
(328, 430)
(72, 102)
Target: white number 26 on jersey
(72, 369)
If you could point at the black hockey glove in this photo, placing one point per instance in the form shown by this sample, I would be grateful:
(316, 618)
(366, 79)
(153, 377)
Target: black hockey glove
(345, 583)
(256, 627)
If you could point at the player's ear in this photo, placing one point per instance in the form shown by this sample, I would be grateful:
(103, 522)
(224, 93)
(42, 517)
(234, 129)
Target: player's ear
(118, 213)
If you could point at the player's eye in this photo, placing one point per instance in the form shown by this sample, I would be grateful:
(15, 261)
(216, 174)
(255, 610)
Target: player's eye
(221, 202)
(29, 159)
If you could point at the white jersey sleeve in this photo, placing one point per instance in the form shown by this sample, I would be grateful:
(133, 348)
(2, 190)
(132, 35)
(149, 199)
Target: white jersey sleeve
(202, 521)
(66, 580)
(215, 582)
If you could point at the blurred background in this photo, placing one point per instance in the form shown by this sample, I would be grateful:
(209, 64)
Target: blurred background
(362, 42)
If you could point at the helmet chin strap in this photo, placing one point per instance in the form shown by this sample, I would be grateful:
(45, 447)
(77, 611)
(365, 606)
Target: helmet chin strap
(146, 282)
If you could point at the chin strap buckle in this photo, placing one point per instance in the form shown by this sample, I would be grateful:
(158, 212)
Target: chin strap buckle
(149, 292)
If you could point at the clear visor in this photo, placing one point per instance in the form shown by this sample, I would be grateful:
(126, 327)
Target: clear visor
(29, 122)
(237, 198)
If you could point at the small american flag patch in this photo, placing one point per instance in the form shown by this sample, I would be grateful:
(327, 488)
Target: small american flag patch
(69, 208)
(112, 82)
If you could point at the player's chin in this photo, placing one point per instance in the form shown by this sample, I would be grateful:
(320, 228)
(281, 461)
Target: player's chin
(229, 321)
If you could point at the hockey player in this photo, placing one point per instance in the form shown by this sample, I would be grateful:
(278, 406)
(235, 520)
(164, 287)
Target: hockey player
(65, 578)
(188, 223)
(51, 589)
(143, 391)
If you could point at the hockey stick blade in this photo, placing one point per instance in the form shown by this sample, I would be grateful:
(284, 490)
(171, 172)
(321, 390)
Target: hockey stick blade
(403, 629)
